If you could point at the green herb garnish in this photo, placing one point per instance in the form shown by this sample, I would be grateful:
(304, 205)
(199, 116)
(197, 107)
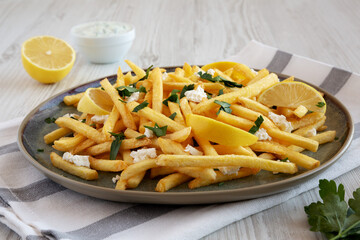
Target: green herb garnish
(121, 100)
(146, 73)
(140, 106)
(142, 89)
(83, 120)
(257, 125)
(50, 120)
(220, 79)
(40, 150)
(172, 116)
(284, 160)
(185, 89)
(172, 98)
(224, 106)
(334, 217)
(273, 107)
(115, 145)
(320, 104)
(208, 95)
(221, 183)
(158, 131)
(221, 92)
(141, 136)
(126, 91)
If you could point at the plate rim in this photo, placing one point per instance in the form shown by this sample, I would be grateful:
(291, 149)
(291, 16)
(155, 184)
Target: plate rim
(283, 185)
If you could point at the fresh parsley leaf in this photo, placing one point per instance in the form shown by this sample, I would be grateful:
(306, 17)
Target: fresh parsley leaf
(122, 100)
(146, 73)
(226, 82)
(185, 89)
(284, 160)
(126, 91)
(158, 131)
(74, 118)
(142, 89)
(140, 106)
(102, 88)
(40, 150)
(208, 95)
(115, 145)
(320, 104)
(93, 125)
(83, 120)
(141, 136)
(50, 120)
(221, 92)
(336, 138)
(172, 98)
(224, 106)
(309, 111)
(221, 183)
(333, 217)
(172, 116)
(257, 125)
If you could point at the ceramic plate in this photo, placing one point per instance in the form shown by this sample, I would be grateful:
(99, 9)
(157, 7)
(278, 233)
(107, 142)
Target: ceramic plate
(33, 128)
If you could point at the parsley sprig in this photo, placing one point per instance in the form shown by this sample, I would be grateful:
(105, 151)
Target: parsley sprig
(158, 131)
(220, 79)
(140, 106)
(334, 217)
(320, 104)
(126, 91)
(185, 89)
(224, 106)
(172, 98)
(115, 145)
(50, 120)
(257, 125)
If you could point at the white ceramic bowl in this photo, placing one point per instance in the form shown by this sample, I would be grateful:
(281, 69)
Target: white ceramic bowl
(103, 41)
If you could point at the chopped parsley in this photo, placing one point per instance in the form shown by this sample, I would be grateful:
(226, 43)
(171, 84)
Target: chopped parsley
(284, 160)
(208, 95)
(221, 92)
(220, 79)
(40, 150)
(224, 106)
(185, 89)
(115, 145)
(121, 100)
(50, 120)
(158, 131)
(172, 116)
(126, 91)
(83, 120)
(257, 125)
(141, 136)
(140, 106)
(320, 104)
(221, 183)
(147, 71)
(172, 98)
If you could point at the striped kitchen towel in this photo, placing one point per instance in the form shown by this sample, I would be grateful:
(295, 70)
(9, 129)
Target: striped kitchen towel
(37, 208)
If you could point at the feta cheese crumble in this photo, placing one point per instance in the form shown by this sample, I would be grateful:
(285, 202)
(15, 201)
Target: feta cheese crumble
(196, 95)
(229, 170)
(143, 154)
(69, 115)
(148, 133)
(165, 75)
(197, 73)
(193, 151)
(211, 71)
(99, 118)
(133, 97)
(312, 132)
(78, 160)
(262, 134)
(281, 122)
(116, 178)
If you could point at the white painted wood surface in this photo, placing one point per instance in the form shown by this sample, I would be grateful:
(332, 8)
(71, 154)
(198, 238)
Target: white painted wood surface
(197, 32)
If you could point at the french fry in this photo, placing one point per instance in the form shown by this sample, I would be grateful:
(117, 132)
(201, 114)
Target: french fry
(220, 177)
(157, 91)
(81, 128)
(171, 181)
(82, 146)
(244, 70)
(225, 160)
(129, 133)
(304, 131)
(287, 112)
(246, 113)
(248, 91)
(134, 181)
(185, 107)
(126, 157)
(187, 70)
(300, 111)
(224, 150)
(140, 73)
(158, 171)
(114, 95)
(308, 119)
(157, 117)
(73, 99)
(82, 172)
(136, 168)
(254, 105)
(110, 122)
(260, 75)
(179, 78)
(235, 121)
(198, 172)
(107, 165)
(321, 138)
(174, 108)
(56, 134)
(179, 136)
(295, 157)
(205, 145)
(171, 147)
(268, 156)
(65, 144)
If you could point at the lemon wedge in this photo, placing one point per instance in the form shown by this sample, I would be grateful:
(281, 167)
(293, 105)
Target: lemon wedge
(219, 132)
(47, 59)
(95, 101)
(292, 95)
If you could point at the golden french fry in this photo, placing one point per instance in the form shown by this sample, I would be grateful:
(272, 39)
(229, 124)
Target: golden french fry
(82, 172)
(185, 107)
(137, 168)
(248, 91)
(235, 121)
(239, 150)
(140, 73)
(268, 156)
(254, 105)
(179, 78)
(56, 134)
(156, 117)
(205, 145)
(198, 172)
(65, 144)
(246, 113)
(187, 70)
(73, 99)
(295, 157)
(157, 91)
(304, 131)
(300, 111)
(81, 128)
(120, 81)
(171, 147)
(220, 177)
(134, 181)
(287, 112)
(107, 165)
(129, 133)
(171, 181)
(179, 136)
(126, 157)
(225, 160)
(308, 119)
(82, 146)
(174, 108)
(244, 70)
(261, 74)
(321, 138)
(110, 122)
(158, 171)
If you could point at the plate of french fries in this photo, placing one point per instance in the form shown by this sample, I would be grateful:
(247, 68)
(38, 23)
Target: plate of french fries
(186, 135)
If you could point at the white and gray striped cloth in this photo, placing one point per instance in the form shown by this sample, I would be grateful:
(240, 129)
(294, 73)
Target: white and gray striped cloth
(37, 208)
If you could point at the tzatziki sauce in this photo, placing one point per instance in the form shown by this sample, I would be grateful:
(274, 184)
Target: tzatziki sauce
(103, 29)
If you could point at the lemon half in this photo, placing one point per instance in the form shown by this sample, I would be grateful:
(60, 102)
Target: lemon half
(47, 59)
(219, 132)
(95, 101)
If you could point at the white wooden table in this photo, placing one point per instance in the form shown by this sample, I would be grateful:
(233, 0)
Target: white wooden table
(197, 32)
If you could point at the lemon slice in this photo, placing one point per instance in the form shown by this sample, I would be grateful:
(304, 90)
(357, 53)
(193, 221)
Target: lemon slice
(47, 59)
(219, 132)
(222, 66)
(95, 101)
(292, 95)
